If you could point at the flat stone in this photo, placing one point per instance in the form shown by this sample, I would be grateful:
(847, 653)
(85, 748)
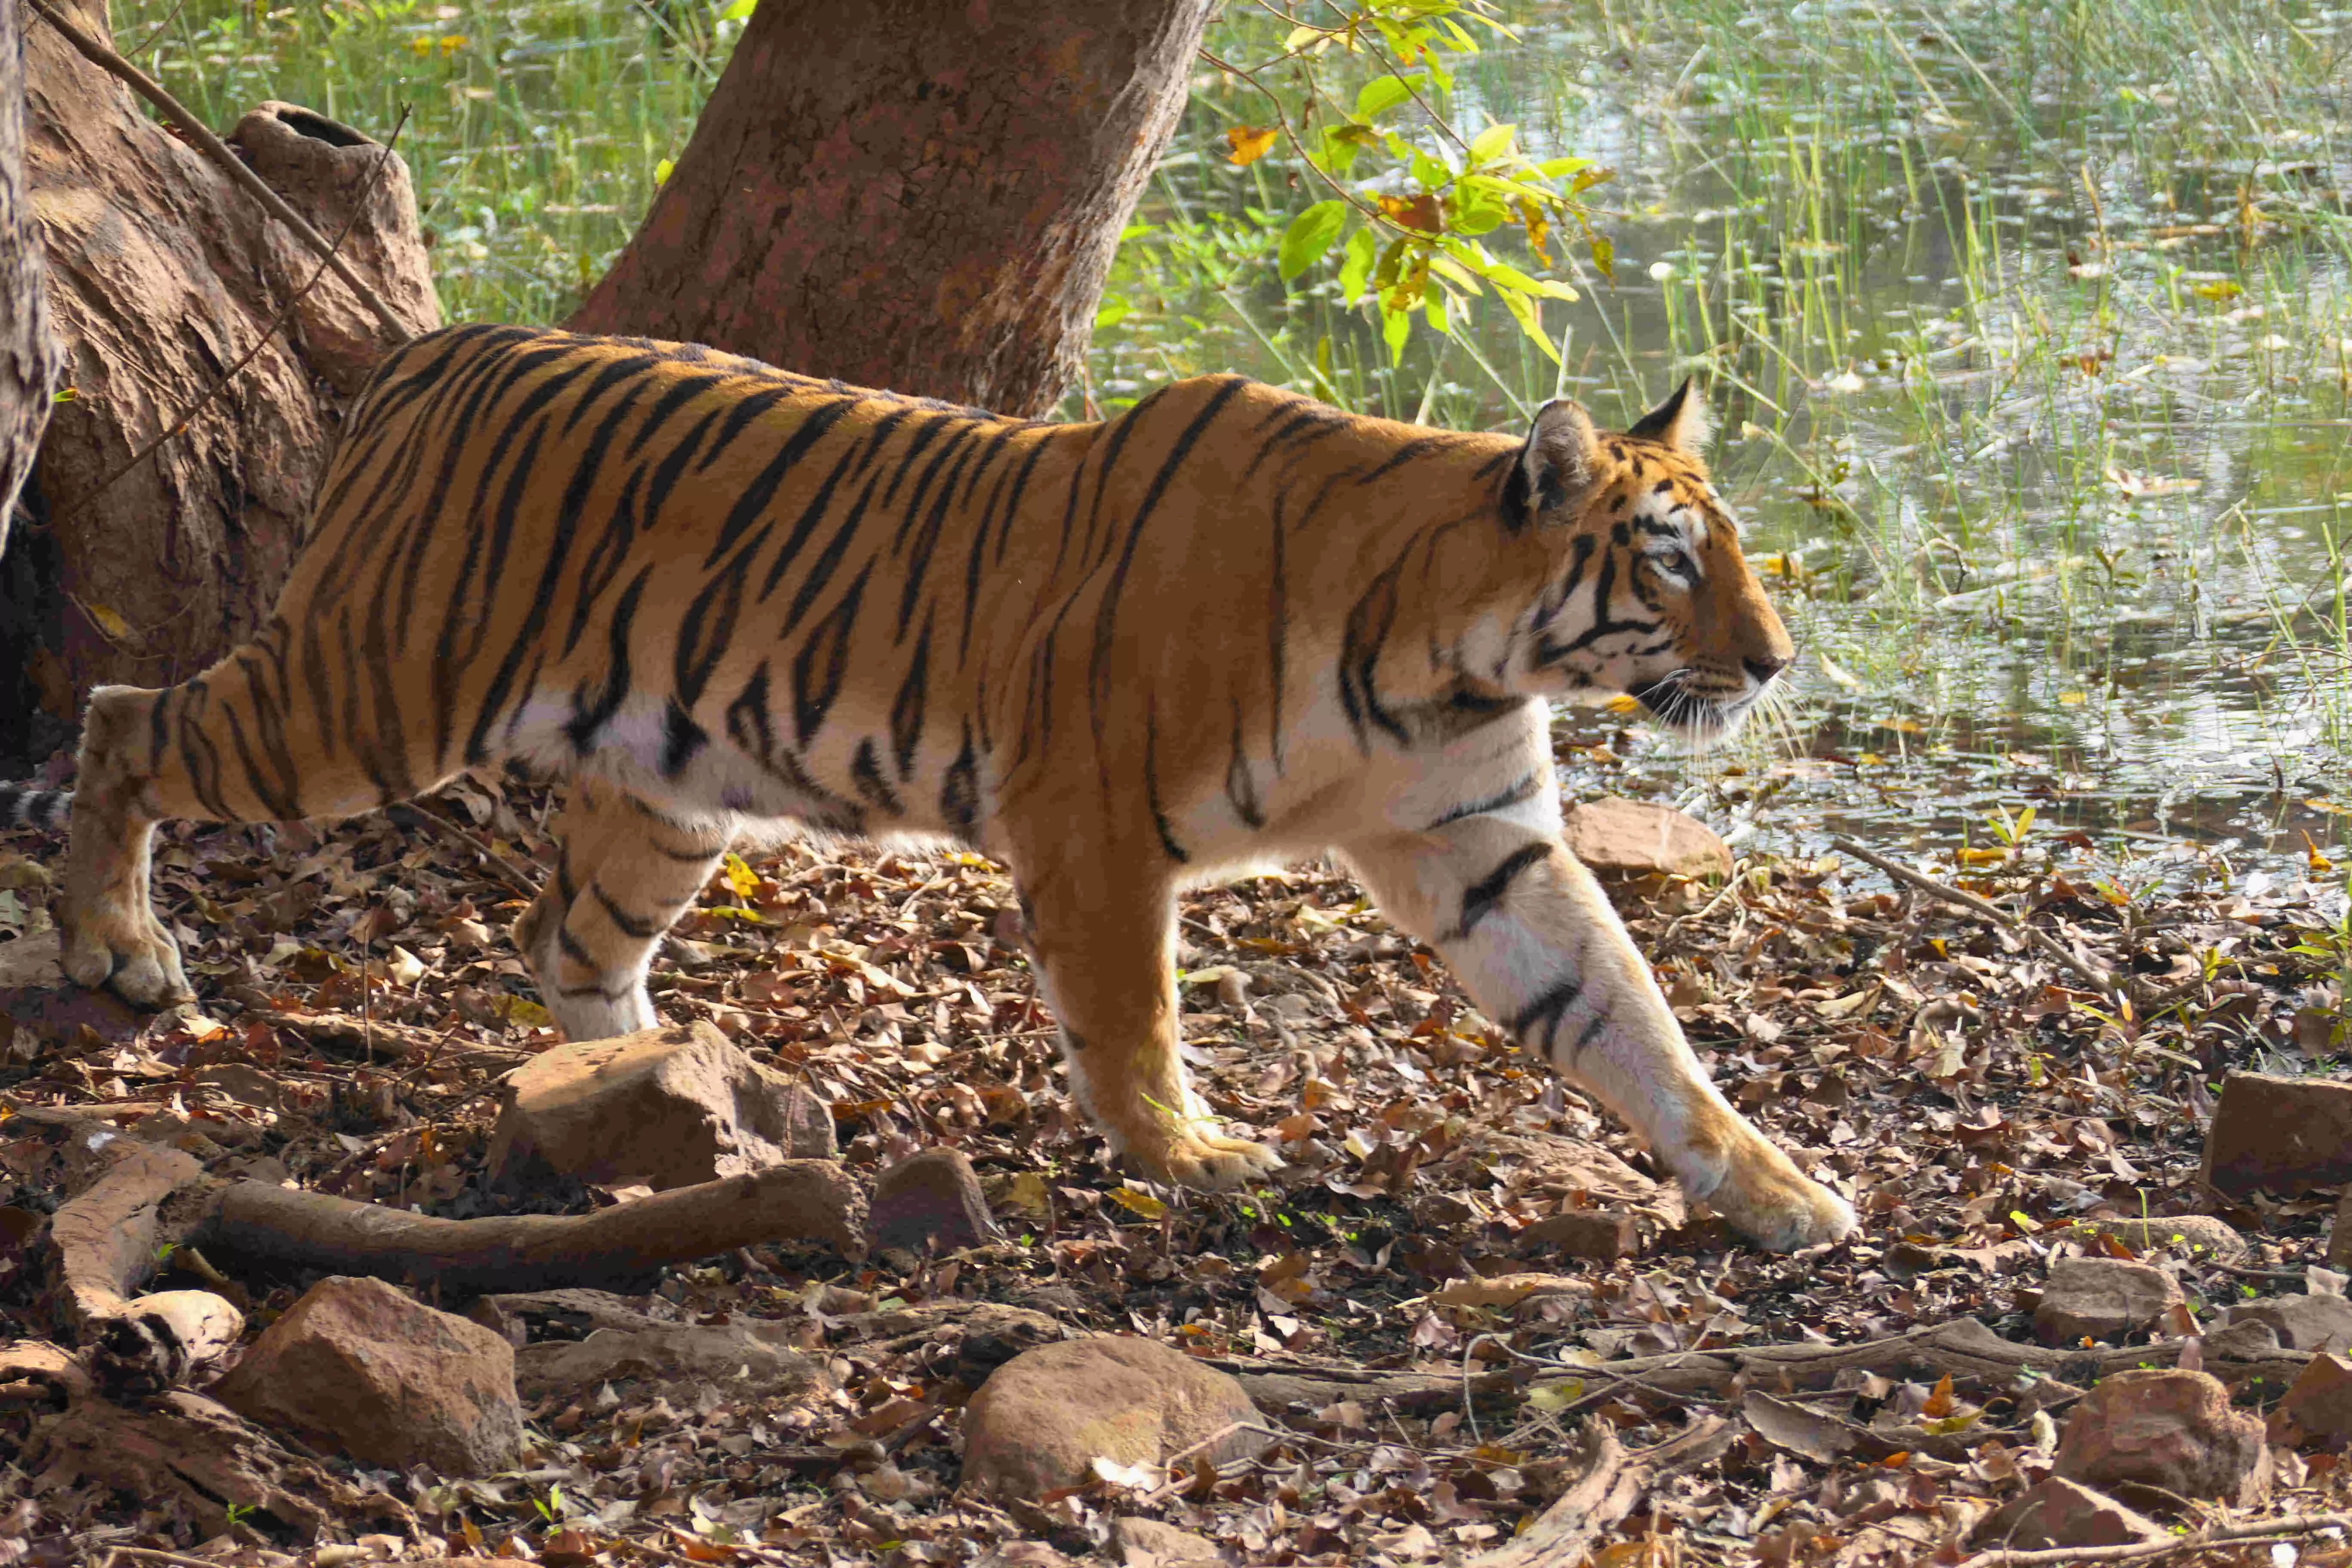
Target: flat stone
(929, 1202)
(742, 1358)
(2301, 1322)
(1619, 839)
(1148, 1543)
(2101, 1297)
(2197, 1235)
(663, 1107)
(2166, 1429)
(2057, 1512)
(1600, 1236)
(358, 1366)
(2283, 1135)
(1043, 1419)
(2318, 1404)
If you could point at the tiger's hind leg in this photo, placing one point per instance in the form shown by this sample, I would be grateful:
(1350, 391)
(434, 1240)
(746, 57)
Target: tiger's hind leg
(624, 872)
(1108, 961)
(231, 746)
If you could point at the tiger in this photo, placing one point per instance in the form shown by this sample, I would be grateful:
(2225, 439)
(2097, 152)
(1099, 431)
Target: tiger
(1229, 626)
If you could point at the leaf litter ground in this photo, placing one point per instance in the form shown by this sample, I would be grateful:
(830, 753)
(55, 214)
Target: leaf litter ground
(1433, 1266)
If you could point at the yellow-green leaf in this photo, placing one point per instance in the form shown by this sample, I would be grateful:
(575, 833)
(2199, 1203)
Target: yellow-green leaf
(739, 876)
(1492, 143)
(1248, 144)
(1135, 1201)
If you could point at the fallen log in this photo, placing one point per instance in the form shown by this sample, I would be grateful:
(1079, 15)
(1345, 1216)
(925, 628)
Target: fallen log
(107, 1242)
(110, 1239)
(799, 1200)
(1611, 1485)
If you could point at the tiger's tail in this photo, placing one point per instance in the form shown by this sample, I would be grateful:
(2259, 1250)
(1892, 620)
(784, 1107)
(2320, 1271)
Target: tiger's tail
(22, 805)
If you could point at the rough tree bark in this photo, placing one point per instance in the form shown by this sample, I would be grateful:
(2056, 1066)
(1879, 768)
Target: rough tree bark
(161, 276)
(911, 194)
(28, 357)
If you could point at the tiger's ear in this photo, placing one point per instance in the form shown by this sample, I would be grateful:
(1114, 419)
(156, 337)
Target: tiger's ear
(1680, 424)
(1556, 466)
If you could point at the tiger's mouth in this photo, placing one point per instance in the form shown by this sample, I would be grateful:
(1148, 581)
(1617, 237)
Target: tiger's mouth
(1692, 714)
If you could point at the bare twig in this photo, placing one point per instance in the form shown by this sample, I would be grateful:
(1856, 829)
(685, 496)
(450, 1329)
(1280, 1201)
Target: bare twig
(2097, 978)
(2286, 1529)
(213, 148)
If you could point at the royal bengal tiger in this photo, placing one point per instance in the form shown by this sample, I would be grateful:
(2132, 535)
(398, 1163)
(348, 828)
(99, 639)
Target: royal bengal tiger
(1229, 626)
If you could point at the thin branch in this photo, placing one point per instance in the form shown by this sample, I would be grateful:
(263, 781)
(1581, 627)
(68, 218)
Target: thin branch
(2098, 979)
(2288, 1528)
(213, 148)
(188, 415)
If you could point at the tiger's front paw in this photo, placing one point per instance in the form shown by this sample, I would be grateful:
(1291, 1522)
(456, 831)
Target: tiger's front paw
(1765, 1195)
(1204, 1161)
(127, 951)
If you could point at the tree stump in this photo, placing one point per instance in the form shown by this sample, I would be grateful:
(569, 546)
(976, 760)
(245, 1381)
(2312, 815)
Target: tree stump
(162, 275)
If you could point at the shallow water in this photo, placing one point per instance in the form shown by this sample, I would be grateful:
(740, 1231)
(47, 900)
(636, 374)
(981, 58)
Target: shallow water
(2055, 490)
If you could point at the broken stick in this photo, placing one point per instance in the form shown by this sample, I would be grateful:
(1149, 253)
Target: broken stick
(798, 1200)
(108, 1241)
(1610, 1488)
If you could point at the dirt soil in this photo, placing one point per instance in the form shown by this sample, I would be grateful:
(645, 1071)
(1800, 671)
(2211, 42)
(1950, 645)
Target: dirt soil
(1964, 1089)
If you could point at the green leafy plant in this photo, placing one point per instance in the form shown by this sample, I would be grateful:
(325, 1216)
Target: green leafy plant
(1413, 200)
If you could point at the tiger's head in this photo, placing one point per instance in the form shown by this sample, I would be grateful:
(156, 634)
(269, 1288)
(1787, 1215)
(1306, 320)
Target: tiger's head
(1646, 589)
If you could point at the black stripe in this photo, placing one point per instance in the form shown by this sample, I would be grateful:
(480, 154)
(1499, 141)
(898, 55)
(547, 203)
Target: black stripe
(865, 773)
(1152, 785)
(906, 708)
(682, 738)
(1547, 1009)
(589, 717)
(960, 793)
(824, 660)
(1107, 618)
(1523, 790)
(628, 924)
(761, 493)
(1480, 899)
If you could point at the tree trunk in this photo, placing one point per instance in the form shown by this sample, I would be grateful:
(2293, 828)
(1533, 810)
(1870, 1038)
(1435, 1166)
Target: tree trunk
(28, 358)
(911, 194)
(163, 275)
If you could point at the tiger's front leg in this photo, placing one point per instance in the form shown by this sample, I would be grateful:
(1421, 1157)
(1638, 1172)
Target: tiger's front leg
(1534, 939)
(1106, 957)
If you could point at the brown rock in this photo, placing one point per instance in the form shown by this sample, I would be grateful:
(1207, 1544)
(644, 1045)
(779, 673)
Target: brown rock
(2101, 1297)
(2317, 1406)
(2198, 1235)
(1602, 1236)
(929, 1202)
(2059, 1512)
(1148, 1543)
(668, 1107)
(1620, 838)
(2168, 1429)
(359, 1366)
(745, 1358)
(2301, 1322)
(2285, 1135)
(1047, 1415)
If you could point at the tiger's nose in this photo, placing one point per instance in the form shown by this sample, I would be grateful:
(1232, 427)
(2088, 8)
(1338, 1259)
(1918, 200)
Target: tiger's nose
(1771, 665)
